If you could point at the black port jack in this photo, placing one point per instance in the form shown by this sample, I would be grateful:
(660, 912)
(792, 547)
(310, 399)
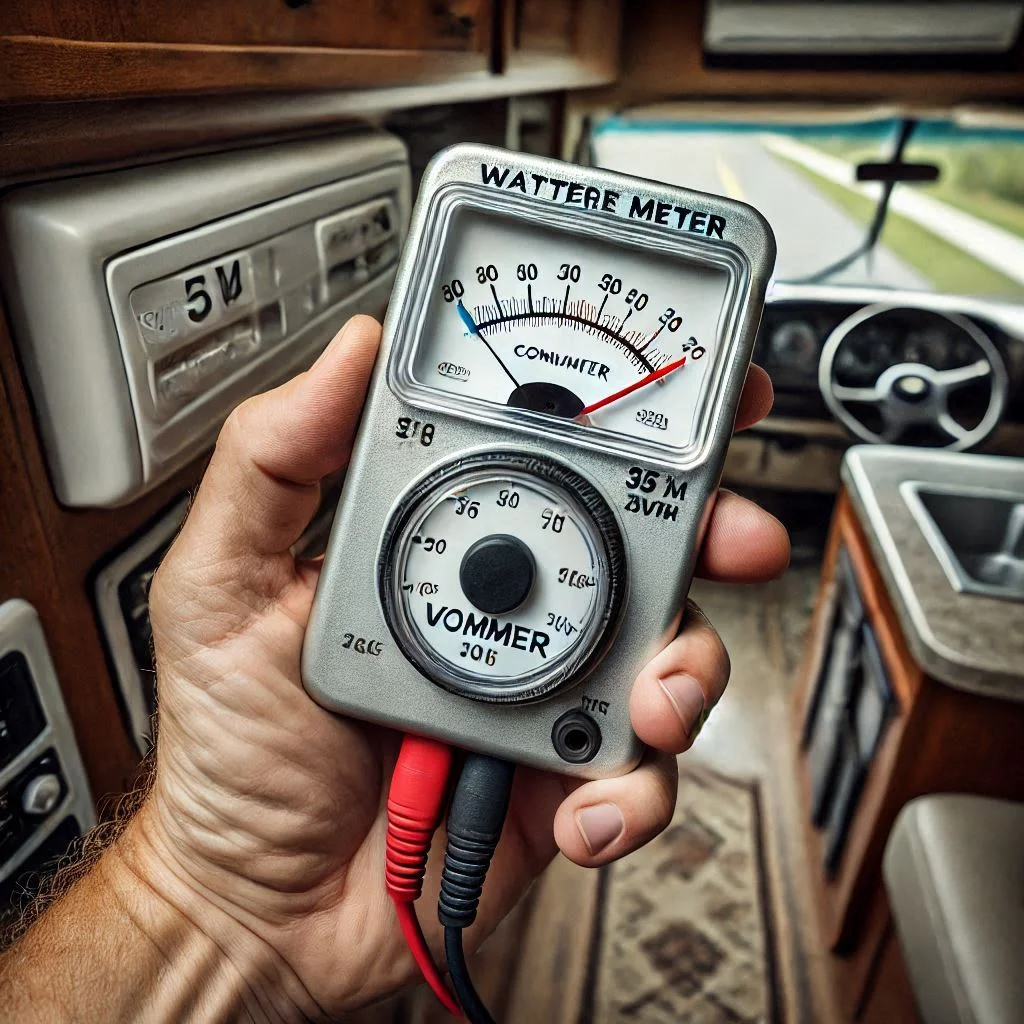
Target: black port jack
(576, 737)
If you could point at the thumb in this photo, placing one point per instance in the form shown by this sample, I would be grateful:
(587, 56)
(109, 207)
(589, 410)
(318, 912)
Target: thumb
(262, 485)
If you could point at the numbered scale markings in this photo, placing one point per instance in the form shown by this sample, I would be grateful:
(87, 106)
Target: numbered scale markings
(618, 340)
(500, 580)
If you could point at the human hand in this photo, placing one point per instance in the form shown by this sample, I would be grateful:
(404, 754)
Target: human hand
(265, 823)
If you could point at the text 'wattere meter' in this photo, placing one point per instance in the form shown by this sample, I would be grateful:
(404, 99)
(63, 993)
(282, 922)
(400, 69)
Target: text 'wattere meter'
(546, 425)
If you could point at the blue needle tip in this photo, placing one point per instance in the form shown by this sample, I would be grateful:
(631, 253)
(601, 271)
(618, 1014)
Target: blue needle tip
(466, 318)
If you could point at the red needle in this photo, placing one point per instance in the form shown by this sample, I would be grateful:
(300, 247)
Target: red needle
(642, 383)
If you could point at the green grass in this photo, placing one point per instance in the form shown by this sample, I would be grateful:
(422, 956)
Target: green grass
(946, 267)
(1001, 212)
(980, 202)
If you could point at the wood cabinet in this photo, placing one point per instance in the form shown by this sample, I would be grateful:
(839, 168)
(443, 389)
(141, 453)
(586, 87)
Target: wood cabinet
(936, 739)
(93, 49)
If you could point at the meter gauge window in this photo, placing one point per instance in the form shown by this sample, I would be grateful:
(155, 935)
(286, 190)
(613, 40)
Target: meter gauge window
(502, 576)
(612, 337)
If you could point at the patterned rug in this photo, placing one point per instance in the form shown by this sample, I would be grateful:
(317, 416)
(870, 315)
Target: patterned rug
(681, 933)
(677, 933)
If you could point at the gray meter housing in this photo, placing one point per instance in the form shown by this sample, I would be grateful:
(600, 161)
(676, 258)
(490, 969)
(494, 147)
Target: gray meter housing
(508, 555)
(147, 303)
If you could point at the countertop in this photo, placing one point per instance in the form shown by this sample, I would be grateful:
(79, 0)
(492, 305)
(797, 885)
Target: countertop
(969, 641)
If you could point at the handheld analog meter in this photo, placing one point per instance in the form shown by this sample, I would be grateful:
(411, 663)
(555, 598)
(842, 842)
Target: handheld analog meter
(545, 430)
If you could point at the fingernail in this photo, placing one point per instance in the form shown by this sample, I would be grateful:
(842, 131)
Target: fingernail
(687, 699)
(600, 826)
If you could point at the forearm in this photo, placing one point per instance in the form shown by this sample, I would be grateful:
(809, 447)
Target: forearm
(124, 944)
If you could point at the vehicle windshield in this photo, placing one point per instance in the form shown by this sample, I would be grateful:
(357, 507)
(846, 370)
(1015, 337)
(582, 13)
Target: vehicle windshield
(961, 234)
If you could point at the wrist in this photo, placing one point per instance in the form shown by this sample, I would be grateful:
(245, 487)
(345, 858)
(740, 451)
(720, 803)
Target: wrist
(214, 966)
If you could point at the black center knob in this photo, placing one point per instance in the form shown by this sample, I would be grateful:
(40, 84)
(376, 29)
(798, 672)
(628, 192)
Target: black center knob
(497, 573)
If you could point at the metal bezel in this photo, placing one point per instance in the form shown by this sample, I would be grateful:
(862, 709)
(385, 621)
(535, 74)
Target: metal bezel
(413, 293)
(587, 504)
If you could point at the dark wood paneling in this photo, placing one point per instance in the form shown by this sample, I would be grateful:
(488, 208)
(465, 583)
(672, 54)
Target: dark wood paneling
(48, 554)
(48, 69)
(544, 26)
(890, 998)
(98, 49)
(356, 24)
(61, 50)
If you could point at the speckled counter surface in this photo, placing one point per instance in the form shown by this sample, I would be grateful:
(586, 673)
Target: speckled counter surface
(972, 642)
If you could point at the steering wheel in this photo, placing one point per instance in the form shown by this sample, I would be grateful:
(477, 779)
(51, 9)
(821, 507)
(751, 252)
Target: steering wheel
(910, 394)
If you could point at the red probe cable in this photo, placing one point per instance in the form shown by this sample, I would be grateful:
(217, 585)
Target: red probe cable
(415, 803)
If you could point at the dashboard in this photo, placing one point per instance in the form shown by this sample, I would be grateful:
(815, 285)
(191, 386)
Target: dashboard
(874, 330)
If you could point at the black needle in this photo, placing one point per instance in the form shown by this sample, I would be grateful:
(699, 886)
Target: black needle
(473, 329)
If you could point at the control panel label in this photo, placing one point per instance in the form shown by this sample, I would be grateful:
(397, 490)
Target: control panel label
(590, 197)
(489, 628)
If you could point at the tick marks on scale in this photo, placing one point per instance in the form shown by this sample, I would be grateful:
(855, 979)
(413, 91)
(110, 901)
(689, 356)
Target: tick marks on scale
(579, 313)
(473, 329)
(555, 308)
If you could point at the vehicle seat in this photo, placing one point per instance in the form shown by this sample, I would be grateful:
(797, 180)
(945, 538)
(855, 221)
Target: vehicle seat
(954, 871)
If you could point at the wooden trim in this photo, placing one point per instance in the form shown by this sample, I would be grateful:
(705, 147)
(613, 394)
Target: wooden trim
(904, 674)
(46, 68)
(939, 740)
(595, 45)
(39, 68)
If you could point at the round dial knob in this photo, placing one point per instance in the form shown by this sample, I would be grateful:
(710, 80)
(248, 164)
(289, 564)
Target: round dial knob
(41, 795)
(501, 575)
(497, 573)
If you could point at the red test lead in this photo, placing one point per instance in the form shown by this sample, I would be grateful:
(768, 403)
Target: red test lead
(415, 803)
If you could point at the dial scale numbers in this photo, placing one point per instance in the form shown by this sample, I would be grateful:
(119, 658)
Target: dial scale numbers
(500, 573)
(555, 614)
(609, 343)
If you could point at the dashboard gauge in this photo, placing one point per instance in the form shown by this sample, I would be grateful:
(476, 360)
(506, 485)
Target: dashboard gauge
(870, 350)
(795, 343)
(930, 345)
(600, 340)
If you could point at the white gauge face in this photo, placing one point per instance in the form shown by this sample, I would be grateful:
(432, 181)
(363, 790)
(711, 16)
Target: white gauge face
(617, 339)
(499, 579)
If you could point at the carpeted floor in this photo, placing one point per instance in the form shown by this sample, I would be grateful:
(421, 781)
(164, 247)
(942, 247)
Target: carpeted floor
(682, 932)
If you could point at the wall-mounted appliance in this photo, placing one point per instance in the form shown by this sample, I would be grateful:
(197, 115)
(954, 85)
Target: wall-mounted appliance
(146, 303)
(44, 794)
(865, 27)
